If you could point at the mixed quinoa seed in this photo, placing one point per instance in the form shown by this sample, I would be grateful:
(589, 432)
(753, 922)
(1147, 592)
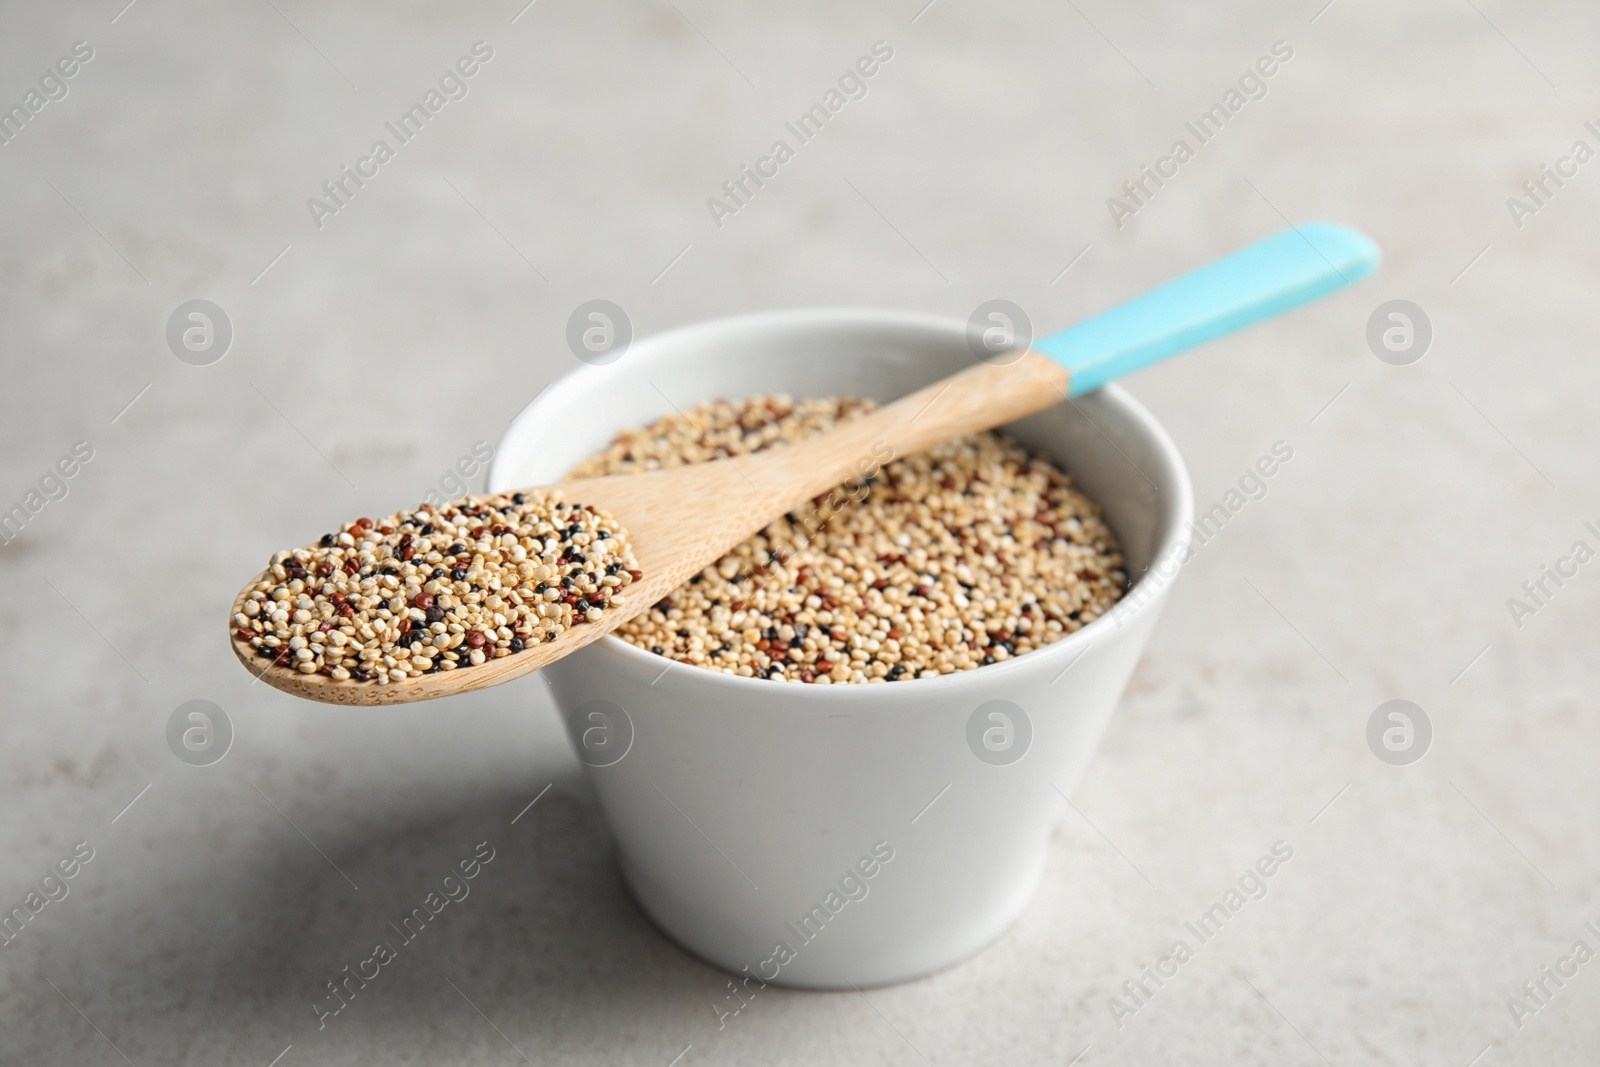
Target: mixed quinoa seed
(971, 553)
(437, 589)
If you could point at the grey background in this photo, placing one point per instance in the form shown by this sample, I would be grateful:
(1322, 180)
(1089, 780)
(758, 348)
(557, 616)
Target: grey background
(422, 317)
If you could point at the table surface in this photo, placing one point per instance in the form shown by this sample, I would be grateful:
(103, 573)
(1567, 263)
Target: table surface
(374, 345)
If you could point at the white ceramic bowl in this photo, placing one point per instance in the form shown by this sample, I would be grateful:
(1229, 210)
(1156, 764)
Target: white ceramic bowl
(752, 818)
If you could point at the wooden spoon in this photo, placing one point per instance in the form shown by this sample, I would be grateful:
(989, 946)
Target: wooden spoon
(680, 520)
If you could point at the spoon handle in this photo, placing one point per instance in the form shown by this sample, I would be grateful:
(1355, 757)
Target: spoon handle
(1265, 279)
(1255, 283)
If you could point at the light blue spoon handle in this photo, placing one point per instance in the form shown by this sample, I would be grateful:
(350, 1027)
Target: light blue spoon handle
(1268, 278)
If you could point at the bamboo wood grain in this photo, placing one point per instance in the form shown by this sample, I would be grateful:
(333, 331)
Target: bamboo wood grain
(678, 521)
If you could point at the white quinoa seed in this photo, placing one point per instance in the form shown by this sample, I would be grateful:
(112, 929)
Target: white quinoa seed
(968, 554)
(437, 589)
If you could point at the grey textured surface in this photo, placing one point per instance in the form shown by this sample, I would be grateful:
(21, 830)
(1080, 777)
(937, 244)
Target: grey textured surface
(426, 313)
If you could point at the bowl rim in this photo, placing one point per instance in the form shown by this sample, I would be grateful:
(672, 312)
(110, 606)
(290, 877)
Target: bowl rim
(1172, 540)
